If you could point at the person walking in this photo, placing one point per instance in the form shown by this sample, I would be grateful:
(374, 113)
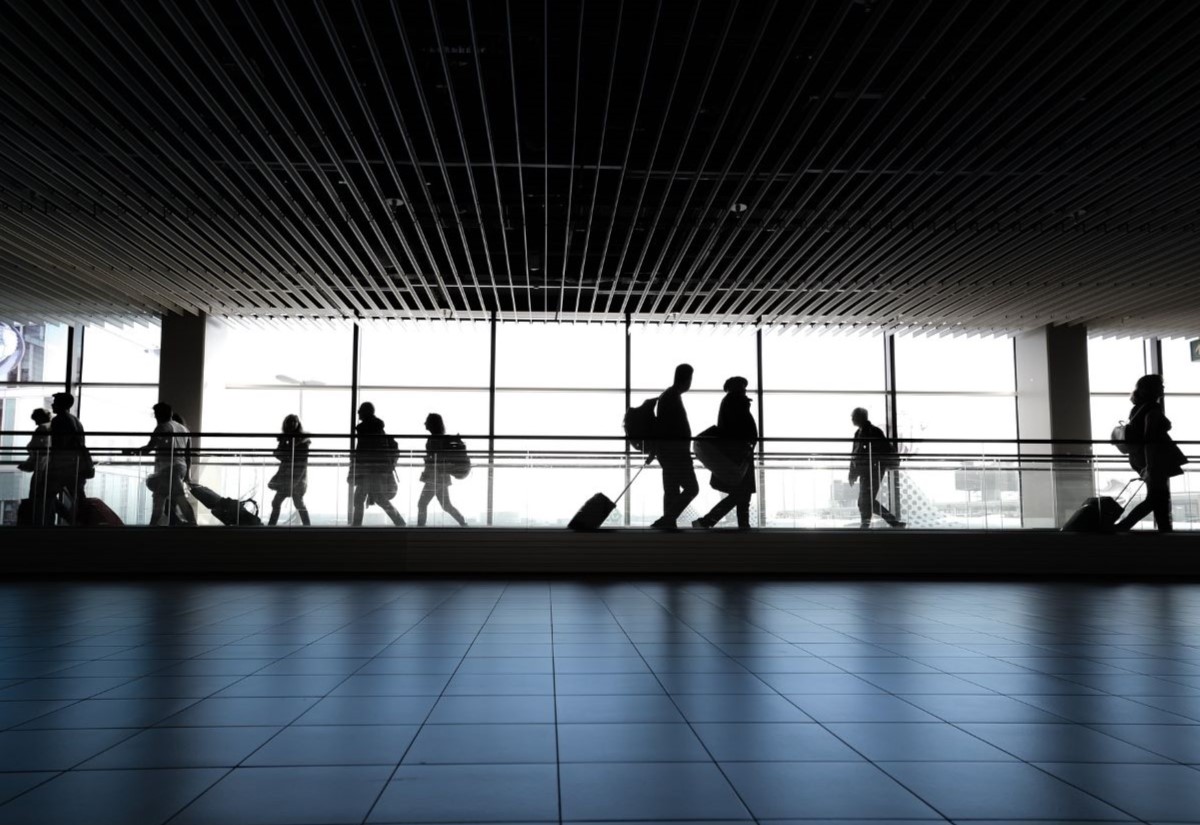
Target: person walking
(70, 464)
(436, 474)
(291, 479)
(170, 443)
(673, 449)
(737, 434)
(1153, 454)
(867, 454)
(36, 464)
(372, 471)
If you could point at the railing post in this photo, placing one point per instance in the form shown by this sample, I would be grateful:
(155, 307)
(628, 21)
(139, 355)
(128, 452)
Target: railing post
(628, 404)
(891, 417)
(762, 428)
(354, 359)
(491, 477)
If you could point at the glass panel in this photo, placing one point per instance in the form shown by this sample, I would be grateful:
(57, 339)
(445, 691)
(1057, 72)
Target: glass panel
(560, 356)
(121, 355)
(955, 364)
(1184, 412)
(424, 354)
(715, 352)
(561, 413)
(465, 412)
(1114, 364)
(16, 405)
(957, 416)
(809, 361)
(116, 409)
(33, 352)
(1180, 372)
(1107, 412)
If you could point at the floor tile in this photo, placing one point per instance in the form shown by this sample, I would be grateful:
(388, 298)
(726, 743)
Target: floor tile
(288, 796)
(240, 710)
(650, 791)
(727, 683)
(623, 708)
(1059, 743)
(843, 683)
(17, 713)
(1178, 742)
(861, 708)
(391, 684)
(170, 687)
(302, 745)
(1167, 793)
(836, 790)
(110, 713)
(598, 664)
(630, 742)
(308, 684)
(981, 709)
(1110, 710)
(53, 750)
(81, 687)
(997, 790)
(738, 708)
(498, 793)
(916, 742)
(482, 744)
(772, 742)
(501, 684)
(183, 748)
(598, 684)
(15, 784)
(128, 797)
(368, 710)
(513, 665)
(452, 710)
(906, 683)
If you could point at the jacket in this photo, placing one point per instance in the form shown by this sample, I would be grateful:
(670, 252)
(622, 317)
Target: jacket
(738, 433)
(436, 470)
(371, 448)
(70, 462)
(292, 476)
(869, 447)
(671, 423)
(1153, 454)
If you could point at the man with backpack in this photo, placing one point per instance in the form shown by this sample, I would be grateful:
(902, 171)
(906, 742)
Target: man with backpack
(372, 469)
(673, 449)
(871, 454)
(70, 463)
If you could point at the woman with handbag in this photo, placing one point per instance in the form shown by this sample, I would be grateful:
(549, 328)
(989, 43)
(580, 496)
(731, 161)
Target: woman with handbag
(737, 434)
(291, 479)
(1153, 454)
(37, 464)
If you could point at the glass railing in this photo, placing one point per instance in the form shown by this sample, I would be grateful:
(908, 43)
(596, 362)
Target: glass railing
(541, 481)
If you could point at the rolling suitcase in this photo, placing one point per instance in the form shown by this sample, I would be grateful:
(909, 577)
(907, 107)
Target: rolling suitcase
(598, 508)
(1097, 513)
(95, 513)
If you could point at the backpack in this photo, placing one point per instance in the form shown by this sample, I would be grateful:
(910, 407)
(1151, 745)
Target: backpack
(393, 451)
(890, 458)
(641, 424)
(458, 460)
(1117, 439)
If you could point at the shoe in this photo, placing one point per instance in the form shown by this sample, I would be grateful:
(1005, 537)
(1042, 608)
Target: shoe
(664, 524)
(866, 525)
(898, 524)
(701, 524)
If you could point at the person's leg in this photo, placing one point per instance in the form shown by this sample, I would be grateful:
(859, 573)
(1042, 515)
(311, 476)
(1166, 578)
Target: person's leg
(393, 514)
(1162, 506)
(689, 486)
(301, 510)
(718, 512)
(866, 498)
(423, 505)
(185, 507)
(1152, 503)
(670, 481)
(743, 511)
(276, 503)
(443, 498)
(360, 503)
(158, 507)
(876, 507)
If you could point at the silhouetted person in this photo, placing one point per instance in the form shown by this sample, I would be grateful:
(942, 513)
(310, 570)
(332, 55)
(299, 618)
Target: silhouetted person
(870, 448)
(436, 474)
(187, 453)
(738, 434)
(291, 479)
(170, 443)
(673, 449)
(1153, 454)
(372, 472)
(37, 464)
(70, 464)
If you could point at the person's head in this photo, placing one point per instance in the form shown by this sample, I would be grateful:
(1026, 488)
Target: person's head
(162, 411)
(39, 416)
(61, 402)
(683, 377)
(736, 385)
(291, 424)
(435, 425)
(1149, 388)
(366, 410)
(859, 416)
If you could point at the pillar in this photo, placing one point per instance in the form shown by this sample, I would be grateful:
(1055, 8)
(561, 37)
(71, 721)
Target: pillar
(1053, 402)
(181, 366)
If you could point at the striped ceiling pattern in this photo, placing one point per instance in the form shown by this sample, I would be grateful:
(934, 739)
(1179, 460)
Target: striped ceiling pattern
(897, 164)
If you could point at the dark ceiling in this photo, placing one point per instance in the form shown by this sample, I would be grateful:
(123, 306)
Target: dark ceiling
(896, 163)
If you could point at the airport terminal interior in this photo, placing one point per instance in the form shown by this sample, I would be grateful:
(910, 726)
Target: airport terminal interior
(627, 411)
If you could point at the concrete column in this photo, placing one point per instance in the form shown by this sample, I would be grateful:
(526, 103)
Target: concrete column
(1053, 402)
(181, 367)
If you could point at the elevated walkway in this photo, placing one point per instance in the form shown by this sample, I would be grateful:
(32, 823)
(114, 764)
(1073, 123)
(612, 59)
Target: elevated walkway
(136, 551)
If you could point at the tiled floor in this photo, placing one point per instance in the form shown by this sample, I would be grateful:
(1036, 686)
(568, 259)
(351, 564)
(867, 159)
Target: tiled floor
(300, 703)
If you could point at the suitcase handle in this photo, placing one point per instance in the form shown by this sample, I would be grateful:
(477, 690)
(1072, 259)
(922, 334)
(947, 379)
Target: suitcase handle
(630, 484)
(1118, 496)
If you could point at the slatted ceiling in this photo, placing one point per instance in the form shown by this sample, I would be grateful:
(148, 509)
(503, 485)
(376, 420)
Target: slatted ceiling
(956, 167)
